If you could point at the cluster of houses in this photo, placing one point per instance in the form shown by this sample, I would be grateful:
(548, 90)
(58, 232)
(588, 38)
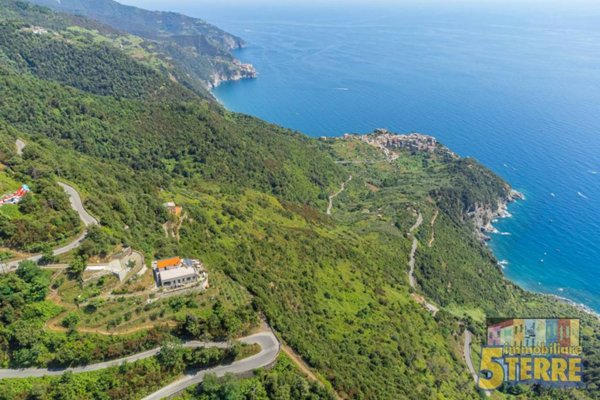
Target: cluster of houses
(15, 197)
(176, 272)
(413, 142)
(534, 332)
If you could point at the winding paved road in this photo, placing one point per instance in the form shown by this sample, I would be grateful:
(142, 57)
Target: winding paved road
(467, 353)
(85, 217)
(267, 341)
(413, 250)
(77, 205)
(411, 272)
(269, 350)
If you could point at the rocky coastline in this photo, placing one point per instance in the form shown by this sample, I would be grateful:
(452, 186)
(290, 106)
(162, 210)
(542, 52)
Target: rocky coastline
(483, 216)
(234, 72)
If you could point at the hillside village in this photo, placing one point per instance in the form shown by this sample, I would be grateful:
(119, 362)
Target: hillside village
(388, 142)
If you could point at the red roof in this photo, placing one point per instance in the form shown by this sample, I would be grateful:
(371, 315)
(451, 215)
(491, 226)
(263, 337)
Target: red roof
(168, 262)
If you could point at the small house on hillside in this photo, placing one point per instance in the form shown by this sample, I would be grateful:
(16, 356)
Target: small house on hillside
(173, 208)
(177, 272)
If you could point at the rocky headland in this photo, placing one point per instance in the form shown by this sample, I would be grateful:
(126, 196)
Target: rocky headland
(483, 216)
(234, 71)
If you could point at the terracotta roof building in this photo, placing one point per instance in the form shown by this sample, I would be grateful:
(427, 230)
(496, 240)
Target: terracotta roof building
(168, 263)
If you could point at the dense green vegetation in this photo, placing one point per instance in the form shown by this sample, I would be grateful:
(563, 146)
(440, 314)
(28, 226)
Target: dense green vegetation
(335, 287)
(52, 57)
(127, 381)
(283, 382)
(145, 23)
(41, 220)
(196, 51)
(456, 271)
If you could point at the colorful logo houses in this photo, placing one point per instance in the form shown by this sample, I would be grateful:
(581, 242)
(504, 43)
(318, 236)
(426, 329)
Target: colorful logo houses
(534, 332)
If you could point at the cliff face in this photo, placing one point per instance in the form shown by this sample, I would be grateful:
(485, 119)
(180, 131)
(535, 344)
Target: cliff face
(233, 71)
(483, 215)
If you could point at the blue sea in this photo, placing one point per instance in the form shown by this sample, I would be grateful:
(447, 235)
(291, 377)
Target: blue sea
(514, 84)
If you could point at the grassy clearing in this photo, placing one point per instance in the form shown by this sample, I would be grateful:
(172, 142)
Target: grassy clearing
(134, 46)
(7, 184)
(476, 314)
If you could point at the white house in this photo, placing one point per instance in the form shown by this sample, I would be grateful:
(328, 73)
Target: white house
(175, 272)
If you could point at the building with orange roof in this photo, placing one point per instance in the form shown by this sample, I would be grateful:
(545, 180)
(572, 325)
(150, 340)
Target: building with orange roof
(176, 272)
(166, 263)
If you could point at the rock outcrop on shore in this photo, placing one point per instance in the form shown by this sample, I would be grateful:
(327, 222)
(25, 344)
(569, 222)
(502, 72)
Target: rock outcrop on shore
(483, 216)
(234, 71)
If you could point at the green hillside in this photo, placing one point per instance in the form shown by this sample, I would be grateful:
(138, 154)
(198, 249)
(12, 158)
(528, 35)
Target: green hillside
(334, 287)
(199, 50)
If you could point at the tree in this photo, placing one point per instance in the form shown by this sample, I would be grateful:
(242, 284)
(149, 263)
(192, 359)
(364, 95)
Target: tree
(28, 271)
(193, 326)
(97, 243)
(170, 356)
(37, 282)
(76, 268)
(48, 256)
(70, 321)
(37, 392)
(28, 205)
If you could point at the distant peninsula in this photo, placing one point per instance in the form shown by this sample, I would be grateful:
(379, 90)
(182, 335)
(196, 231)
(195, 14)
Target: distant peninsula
(191, 49)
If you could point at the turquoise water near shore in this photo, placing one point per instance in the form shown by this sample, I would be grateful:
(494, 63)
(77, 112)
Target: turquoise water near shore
(517, 87)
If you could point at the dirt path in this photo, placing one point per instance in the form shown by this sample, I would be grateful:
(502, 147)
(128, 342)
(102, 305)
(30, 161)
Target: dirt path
(302, 366)
(333, 196)
(54, 324)
(432, 238)
(172, 229)
(299, 362)
(178, 226)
